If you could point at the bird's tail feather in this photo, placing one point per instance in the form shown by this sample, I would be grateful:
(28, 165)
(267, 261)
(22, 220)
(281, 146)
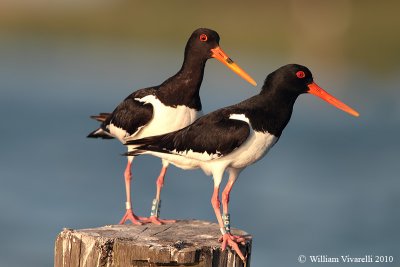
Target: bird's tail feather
(145, 144)
(135, 152)
(101, 117)
(144, 141)
(143, 149)
(100, 133)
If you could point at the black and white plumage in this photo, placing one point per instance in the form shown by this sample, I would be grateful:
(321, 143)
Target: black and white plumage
(217, 135)
(234, 137)
(229, 136)
(167, 107)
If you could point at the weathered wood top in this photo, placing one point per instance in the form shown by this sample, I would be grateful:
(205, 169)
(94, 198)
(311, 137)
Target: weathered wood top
(184, 243)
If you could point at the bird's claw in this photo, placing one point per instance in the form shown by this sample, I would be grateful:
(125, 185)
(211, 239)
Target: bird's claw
(156, 220)
(232, 241)
(130, 216)
(236, 238)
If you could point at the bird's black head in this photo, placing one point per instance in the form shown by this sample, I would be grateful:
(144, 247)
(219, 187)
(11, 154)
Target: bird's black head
(291, 80)
(202, 41)
(203, 44)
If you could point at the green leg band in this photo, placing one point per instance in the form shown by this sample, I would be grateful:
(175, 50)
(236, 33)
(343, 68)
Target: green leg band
(226, 219)
(155, 208)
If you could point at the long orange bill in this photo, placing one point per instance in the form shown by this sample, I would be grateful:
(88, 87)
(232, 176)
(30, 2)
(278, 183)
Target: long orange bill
(318, 91)
(219, 54)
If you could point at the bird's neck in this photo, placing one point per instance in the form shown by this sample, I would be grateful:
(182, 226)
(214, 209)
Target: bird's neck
(278, 96)
(274, 109)
(183, 88)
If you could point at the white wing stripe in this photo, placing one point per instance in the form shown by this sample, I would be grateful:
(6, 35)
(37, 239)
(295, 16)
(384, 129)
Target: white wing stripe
(239, 117)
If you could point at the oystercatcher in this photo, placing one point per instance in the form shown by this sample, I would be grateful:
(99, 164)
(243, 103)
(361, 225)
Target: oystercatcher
(234, 137)
(164, 108)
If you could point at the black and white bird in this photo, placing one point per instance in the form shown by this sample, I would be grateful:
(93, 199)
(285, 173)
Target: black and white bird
(234, 137)
(167, 107)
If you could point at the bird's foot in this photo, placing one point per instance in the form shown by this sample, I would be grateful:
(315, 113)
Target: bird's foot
(156, 220)
(232, 241)
(130, 216)
(155, 213)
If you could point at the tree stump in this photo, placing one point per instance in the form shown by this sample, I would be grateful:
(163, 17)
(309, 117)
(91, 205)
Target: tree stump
(184, 243)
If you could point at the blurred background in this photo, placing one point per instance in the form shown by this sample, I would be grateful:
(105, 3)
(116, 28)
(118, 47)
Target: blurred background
(329, 187)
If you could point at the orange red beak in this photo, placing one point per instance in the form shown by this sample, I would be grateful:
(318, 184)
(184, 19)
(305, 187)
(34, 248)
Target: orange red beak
(321, 93)
(220, 55)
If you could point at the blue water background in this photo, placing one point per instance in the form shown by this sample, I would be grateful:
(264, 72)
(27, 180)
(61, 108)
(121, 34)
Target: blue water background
(330, 186)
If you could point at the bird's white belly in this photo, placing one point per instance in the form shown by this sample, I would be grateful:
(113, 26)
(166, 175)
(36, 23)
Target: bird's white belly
(117, 132)
(251, 151)
(179, 161)
(165, 119)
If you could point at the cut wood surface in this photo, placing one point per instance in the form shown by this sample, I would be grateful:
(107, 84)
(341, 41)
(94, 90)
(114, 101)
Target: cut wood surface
(184, 243)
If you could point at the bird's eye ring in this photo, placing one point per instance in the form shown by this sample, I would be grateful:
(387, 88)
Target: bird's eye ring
(203, 38)
(300, 74)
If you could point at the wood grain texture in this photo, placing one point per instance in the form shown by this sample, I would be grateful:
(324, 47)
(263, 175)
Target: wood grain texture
(184, 243)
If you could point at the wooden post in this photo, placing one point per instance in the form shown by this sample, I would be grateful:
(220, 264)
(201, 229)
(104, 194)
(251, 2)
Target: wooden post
(184, 243)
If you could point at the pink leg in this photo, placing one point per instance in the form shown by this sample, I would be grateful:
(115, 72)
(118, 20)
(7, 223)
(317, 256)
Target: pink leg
(225, 196)
(129, 215)
(216, 204)
(160, 183)
(227, 239)
(225, 203)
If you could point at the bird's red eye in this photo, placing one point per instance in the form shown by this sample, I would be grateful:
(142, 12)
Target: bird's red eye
(203, 37)
(300, 74)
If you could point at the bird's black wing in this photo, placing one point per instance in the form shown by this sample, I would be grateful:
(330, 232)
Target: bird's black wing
(212, 136)
(130, 115)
